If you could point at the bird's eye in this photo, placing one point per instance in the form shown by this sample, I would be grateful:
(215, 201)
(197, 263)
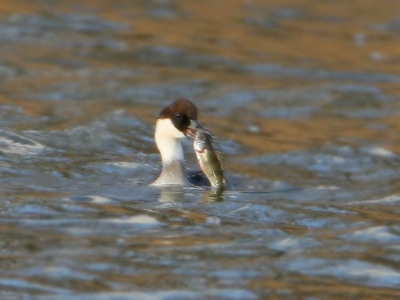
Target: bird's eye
(178, 115)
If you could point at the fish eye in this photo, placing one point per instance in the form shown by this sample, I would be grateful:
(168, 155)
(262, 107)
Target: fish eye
(178, 115)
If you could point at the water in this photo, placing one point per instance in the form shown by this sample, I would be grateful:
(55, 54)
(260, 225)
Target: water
(302, 98)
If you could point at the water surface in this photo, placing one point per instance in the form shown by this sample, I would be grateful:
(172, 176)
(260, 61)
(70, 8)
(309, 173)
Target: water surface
(303, 99)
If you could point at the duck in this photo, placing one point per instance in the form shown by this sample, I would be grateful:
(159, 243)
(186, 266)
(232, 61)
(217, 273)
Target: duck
(175, 122)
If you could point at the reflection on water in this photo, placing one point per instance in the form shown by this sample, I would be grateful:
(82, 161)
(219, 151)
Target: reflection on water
(301, 96)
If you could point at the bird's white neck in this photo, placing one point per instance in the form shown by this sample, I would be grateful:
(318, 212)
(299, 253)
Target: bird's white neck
(170, 150)
(168, 142)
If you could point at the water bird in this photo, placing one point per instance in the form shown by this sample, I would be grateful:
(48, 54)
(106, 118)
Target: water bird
(175, 122)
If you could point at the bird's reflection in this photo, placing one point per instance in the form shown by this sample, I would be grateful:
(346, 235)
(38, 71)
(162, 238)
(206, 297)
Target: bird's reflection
(170, 194)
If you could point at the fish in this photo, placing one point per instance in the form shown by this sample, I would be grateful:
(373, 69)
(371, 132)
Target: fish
(209, 159)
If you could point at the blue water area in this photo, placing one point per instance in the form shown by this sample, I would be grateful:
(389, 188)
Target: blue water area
(302, 100)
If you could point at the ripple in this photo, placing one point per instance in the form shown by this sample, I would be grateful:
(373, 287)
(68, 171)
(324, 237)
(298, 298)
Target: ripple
(26, 285)
(381, 234)
(164, 295)
(277, 71)
(144, 220)
(89, 198)
(17, 144)
(58, 21)
(358, 272)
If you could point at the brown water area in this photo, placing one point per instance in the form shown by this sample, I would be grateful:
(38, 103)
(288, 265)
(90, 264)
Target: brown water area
(302, 97)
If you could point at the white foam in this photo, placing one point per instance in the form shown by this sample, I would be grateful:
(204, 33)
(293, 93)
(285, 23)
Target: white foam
(127, 165)
(213, 221)
(139, 220)
(389, 199)
(377, 233)
(17, 144)
(378, 151)
(99, 199)
(327, 187)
